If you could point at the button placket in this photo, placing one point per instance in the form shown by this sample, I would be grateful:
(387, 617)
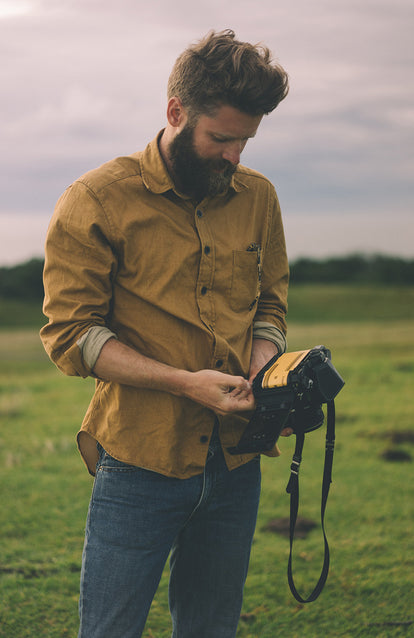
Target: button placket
(205, 280)
(220, 354)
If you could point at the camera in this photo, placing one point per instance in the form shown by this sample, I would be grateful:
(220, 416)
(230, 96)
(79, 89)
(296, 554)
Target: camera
(289, 391)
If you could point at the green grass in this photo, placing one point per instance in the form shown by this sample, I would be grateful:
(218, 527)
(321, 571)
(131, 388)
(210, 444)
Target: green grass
(45, 489)
(333, 303)
(18, 314)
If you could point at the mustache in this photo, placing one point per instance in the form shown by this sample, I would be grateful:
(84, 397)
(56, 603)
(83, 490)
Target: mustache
(222, 165)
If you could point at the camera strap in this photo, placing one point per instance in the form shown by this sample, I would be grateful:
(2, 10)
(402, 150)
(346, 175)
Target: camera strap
(293, 489)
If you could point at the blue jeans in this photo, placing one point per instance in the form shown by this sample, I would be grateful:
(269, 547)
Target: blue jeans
(137, 517)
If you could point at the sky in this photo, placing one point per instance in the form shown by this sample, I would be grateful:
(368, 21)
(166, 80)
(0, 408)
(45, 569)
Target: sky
(83, 81)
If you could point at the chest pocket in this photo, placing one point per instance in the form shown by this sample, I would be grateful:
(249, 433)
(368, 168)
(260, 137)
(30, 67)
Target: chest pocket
(245, 280)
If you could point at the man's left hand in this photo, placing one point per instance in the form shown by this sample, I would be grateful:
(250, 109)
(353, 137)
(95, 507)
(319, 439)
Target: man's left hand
(262, 352)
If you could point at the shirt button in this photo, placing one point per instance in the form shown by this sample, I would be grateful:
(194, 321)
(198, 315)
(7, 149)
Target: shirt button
(219, 363)
(204, 439)
(199, 213)
(207, 250)
(203, 290)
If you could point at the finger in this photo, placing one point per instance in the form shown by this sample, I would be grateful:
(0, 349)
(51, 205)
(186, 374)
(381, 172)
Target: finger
(241, 395)
(241, 387)
(286, 432)
(239, 403)
(237, 407)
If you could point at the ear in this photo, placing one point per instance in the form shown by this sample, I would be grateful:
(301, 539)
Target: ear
(176, 113)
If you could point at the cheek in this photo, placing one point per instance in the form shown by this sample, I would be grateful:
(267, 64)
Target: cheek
(209, 151)
(206, 148)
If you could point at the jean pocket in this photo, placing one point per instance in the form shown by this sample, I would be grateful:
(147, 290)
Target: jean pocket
(108, 463)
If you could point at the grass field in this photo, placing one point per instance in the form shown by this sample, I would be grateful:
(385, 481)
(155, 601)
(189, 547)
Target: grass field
(370, 515)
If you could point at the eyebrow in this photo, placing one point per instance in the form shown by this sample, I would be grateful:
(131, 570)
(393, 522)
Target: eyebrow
(230, 138)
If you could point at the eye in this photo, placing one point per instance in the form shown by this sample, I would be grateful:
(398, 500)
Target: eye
(223, 140)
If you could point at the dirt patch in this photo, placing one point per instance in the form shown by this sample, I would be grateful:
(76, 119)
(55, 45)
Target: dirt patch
(282, 526)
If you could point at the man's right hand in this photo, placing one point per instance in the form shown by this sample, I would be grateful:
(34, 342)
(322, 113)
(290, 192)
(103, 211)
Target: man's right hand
(222, 393)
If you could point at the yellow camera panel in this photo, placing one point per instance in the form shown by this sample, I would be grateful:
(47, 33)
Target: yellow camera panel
(277, 375)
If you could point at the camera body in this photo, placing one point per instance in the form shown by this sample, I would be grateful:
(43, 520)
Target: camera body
(289, 390)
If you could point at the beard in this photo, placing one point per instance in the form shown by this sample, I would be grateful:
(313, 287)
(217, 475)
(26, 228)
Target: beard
(196, 176)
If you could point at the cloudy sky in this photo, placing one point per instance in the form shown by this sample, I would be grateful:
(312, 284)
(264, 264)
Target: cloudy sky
(83, 81)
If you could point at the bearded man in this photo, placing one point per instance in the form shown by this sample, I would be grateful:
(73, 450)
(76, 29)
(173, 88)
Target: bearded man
(166, 279)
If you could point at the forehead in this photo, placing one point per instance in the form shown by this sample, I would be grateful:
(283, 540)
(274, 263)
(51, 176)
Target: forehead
(229, 122)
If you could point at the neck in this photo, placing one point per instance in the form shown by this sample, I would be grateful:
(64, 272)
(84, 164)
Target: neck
(163, 145)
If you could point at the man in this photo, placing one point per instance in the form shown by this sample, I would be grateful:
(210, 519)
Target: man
(166, 279)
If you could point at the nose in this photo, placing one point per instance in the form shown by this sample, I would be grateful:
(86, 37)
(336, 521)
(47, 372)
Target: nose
(232, 152)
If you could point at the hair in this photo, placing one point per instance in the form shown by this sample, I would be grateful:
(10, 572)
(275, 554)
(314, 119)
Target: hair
(220, 70)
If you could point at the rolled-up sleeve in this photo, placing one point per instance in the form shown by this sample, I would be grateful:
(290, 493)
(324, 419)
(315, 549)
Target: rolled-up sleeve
(80, 263)
(269, 332)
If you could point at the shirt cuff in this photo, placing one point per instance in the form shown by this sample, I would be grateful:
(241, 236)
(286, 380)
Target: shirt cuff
(265, 330)
(92, 342)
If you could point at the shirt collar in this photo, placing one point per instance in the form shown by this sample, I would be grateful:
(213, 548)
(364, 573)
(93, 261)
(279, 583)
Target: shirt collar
(156, 177)
(154, 173)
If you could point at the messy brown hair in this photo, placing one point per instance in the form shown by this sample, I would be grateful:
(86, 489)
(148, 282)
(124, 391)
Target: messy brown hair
(221, 70)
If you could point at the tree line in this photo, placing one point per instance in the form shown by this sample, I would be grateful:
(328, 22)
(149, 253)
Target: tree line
(24, 281)
(355, 269)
